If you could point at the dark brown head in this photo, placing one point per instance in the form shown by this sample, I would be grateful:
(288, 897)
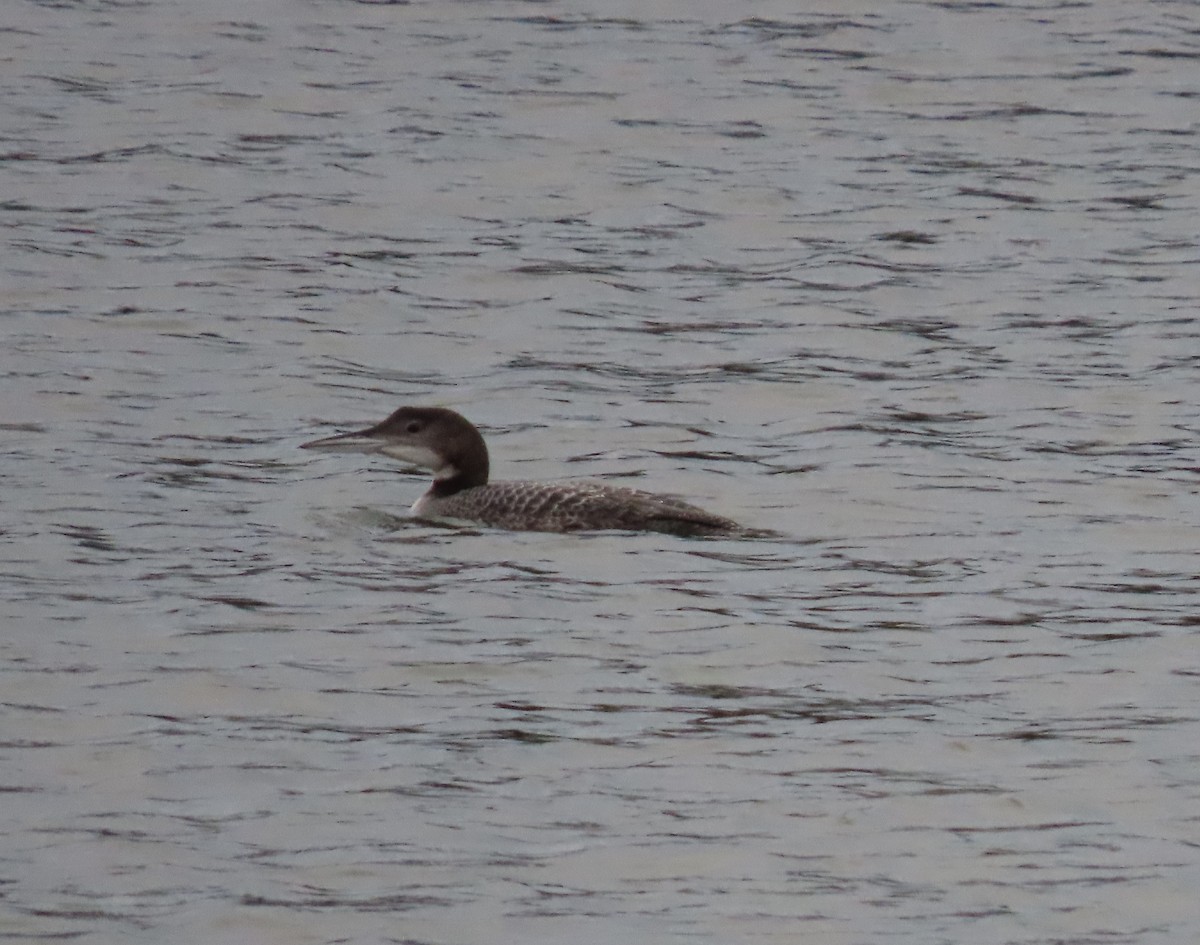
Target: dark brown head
(432, 437)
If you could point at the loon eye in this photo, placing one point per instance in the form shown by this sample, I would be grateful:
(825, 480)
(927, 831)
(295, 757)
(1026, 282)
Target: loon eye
(414, 426)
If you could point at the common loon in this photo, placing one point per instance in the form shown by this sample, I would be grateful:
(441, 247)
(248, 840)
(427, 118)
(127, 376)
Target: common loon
(447, 443)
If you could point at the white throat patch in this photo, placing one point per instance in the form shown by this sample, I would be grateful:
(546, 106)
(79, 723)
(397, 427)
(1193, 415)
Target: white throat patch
(418, 455)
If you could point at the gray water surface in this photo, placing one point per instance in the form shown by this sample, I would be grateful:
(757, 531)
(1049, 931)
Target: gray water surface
(914, 285)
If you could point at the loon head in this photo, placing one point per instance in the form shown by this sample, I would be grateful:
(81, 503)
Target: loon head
(432, 437)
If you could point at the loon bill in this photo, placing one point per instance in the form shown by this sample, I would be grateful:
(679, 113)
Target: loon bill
(447, 443)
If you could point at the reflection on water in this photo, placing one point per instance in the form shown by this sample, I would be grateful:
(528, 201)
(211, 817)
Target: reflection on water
(912, 287)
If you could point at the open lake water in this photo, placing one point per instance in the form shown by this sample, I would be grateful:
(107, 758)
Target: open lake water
(912, 284)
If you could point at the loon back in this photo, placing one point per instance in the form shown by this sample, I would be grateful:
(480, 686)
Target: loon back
(572, 507)
(447, 443)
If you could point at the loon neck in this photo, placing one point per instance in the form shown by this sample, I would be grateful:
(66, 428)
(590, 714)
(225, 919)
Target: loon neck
(463, 457)
(452, 480)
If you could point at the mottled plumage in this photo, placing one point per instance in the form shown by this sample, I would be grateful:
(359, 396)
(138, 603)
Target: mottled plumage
(572, 506)
(447, 443)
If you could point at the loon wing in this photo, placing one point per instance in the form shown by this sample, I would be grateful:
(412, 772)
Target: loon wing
(578, 506)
